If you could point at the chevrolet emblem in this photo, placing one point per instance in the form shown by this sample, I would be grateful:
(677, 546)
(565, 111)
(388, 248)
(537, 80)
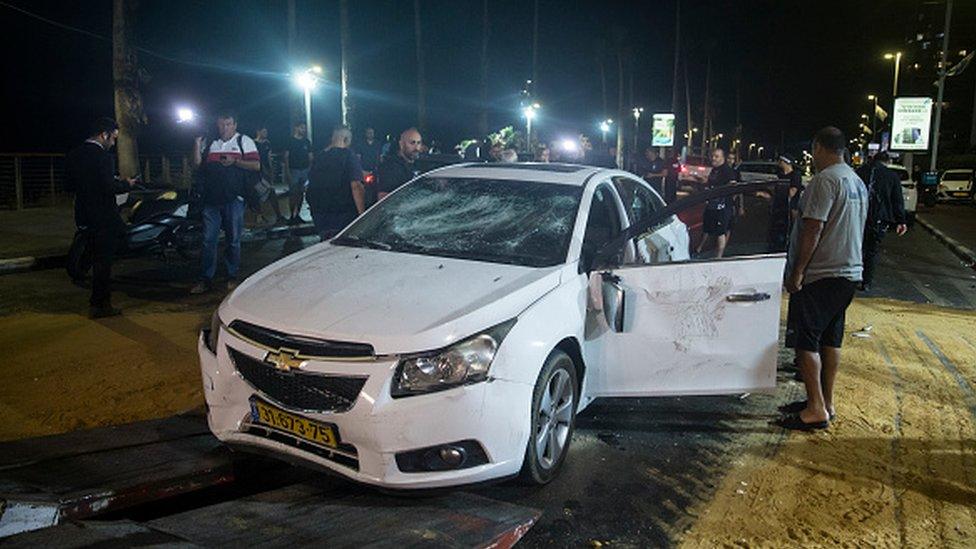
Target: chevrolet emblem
(285, 360)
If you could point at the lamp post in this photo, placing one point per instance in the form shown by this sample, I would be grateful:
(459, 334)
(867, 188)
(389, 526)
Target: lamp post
(751, 145)
(529, 112)
(307, 80)
(637, 113)
(759, 152)
(894, 86)
(874, 116)
(605, 128)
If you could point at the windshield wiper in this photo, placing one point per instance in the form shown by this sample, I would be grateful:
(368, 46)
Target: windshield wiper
(356, 241)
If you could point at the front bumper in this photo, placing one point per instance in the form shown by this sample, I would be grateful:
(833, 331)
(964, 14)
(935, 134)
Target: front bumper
(377, 427)
(949, 195)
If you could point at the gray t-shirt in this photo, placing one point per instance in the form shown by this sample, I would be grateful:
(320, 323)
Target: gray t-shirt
(838, 197)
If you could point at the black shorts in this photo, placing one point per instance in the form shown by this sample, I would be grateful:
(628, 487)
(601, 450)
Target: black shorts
(716, 222)
(815, 317)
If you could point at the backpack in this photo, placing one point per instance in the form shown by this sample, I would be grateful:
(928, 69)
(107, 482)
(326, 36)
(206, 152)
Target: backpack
(874, 201)
(252, 179)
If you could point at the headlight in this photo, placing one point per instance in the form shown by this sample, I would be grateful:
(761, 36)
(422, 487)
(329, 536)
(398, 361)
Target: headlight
(460, 364)
(213, 333)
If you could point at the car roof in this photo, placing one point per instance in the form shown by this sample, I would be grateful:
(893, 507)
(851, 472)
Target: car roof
(566, 174)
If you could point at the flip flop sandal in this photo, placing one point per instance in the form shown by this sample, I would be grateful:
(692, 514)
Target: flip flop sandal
(794, 423)
(797, 406)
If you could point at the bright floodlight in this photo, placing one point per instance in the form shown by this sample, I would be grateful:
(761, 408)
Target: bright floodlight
(184, 115)
(569, 145)
(306, 80)
(529, 112)
(604, 126)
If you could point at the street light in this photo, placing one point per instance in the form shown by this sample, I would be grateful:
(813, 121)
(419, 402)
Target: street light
(759, 152)
(751, 145)
(874, 115)
(307, 81)
(637, 113)
(185, 115)
(897, 57)
(529, 112)
(605, 128)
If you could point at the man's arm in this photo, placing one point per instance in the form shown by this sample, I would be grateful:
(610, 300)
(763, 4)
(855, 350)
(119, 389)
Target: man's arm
(359, 196)
(197, 151)
(809, 238)
(251, 165)
(250, 159)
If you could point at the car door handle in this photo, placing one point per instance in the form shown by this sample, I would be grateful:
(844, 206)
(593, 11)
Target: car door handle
(747, 298)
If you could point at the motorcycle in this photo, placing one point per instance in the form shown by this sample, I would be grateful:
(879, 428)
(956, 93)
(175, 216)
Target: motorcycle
(160, 221)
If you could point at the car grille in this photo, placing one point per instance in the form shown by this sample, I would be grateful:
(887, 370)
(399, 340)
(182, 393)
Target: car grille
(306, 346)
(306, 391)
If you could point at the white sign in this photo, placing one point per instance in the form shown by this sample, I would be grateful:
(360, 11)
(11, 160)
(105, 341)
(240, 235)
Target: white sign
(662, 131)
(910, 124)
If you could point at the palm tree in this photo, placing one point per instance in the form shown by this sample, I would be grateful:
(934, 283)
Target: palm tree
(483, 113)
(125, 75)
(421, 77)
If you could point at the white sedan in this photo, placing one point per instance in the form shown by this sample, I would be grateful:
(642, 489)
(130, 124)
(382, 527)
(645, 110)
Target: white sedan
(451, 334)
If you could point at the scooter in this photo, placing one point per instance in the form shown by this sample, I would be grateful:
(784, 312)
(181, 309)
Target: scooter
(160, 221)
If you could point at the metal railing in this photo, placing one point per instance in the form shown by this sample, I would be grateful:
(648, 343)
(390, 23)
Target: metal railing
(35, 180)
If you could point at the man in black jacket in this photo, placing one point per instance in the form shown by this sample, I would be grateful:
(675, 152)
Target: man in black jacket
(886, 208)
(90, 173)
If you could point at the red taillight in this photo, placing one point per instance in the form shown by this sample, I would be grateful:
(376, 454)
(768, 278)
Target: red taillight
(684, 169)
(369, 178)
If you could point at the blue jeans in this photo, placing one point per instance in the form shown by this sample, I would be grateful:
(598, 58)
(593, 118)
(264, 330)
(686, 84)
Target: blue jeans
(230, 218)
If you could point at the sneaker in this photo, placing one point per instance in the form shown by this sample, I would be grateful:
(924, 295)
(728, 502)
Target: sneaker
(231, 284)
(105, 311)
(201, 287)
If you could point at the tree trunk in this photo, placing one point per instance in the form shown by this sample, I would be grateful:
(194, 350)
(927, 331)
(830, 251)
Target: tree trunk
(677, 49)
(125, 81)
(706, 117)
(483, 113)
(621, 109)
(295, 112)
(535, 48)
(421, 77)
(344, 53)
(688, 107)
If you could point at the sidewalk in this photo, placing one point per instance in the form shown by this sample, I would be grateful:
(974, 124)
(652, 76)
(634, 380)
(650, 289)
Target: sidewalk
(47, 232)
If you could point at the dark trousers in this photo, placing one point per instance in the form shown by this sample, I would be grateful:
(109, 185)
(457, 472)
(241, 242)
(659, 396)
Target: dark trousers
(103, 242)
(873, 235)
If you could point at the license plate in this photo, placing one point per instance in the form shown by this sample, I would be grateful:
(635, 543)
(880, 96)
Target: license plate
(960, 194)
(306, 429)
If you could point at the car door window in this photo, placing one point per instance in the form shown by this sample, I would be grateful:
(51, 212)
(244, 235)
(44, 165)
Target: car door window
(753, 221)
(603, 221)
(640, 202)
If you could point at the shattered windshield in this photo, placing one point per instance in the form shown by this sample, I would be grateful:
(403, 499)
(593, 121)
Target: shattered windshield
(514, 222)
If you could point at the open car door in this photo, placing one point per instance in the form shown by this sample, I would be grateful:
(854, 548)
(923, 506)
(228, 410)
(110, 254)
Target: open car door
(695, 323)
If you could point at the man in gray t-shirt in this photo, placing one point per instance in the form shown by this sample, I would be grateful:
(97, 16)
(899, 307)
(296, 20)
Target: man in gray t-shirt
(823, 269)
(837, 198)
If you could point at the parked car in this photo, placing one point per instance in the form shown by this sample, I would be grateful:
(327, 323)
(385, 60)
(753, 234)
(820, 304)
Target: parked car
(909, 190)
(452, 332)
(758, 170)
(956, 185)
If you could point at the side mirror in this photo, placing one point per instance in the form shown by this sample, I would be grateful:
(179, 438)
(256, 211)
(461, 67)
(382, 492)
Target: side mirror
(614, 301)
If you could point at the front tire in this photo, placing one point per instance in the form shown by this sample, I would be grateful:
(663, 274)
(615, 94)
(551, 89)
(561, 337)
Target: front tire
(554, 403)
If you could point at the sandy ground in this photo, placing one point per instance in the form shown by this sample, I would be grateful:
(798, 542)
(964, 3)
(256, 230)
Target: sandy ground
(897, 468)
(64, 372)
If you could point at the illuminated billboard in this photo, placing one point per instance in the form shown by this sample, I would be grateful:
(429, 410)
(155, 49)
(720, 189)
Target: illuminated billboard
(662, 131)
(910, 124)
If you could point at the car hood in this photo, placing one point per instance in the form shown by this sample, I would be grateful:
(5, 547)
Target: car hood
(396, 302)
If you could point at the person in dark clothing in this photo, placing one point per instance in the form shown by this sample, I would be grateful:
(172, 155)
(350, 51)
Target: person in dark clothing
(370, 150)
(886, 209)
(787, 170)
(717, 217)
(266, 187)
(652, 169)
(298, 156)
(398, 167)
(671, 179)
(90, 173)
(335, 186)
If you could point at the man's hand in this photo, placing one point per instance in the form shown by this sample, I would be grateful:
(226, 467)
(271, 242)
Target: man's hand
(227, 161)
(132, 181)
(794, 283)
(901, 229)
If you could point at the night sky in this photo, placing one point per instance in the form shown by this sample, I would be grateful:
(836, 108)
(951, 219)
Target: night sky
(795, 65)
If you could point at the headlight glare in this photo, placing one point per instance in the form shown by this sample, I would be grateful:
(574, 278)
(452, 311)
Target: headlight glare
(463, 363)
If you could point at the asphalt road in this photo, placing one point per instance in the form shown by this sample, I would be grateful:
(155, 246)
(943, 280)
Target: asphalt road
(637, 467)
